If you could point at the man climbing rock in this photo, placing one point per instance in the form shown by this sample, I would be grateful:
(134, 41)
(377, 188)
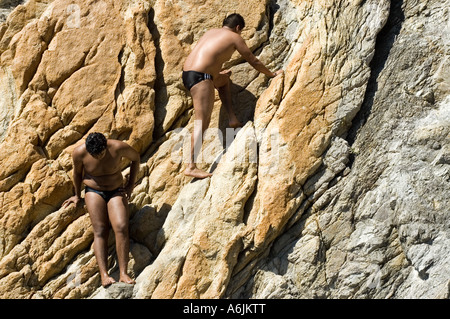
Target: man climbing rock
(202, 73)
(97, 164)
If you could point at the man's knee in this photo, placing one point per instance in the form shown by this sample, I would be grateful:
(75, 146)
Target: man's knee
(121, 228)
(101, 231)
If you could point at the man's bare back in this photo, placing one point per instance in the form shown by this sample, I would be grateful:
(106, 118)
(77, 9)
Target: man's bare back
(216, 47)
(213, 49)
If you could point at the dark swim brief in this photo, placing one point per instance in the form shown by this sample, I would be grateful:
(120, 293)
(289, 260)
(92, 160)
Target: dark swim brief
(191, 78)
(106, 195)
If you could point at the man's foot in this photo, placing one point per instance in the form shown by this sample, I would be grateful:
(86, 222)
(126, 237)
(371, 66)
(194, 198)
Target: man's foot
(196, 172)
(107, 281)
(126, 279)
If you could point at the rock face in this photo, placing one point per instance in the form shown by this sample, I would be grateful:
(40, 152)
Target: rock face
(336, 187)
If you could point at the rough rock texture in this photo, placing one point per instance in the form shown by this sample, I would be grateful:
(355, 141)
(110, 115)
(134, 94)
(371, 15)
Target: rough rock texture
(380, 228)
(336, 187)
(6, 6)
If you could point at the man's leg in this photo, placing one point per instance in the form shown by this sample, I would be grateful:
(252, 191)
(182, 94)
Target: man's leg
(118, 215)
(203, 99)
(223, 84)
(99, 217)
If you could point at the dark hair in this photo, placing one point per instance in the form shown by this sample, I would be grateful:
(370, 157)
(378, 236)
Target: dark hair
(233, 20)
(95, 143)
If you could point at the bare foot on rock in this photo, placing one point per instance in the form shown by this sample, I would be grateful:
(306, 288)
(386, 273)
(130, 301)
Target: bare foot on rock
(126, 279)
(107, 280)
(196, 172)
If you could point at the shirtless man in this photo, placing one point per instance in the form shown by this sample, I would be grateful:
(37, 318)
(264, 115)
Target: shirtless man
(96, 163)
(202, 72)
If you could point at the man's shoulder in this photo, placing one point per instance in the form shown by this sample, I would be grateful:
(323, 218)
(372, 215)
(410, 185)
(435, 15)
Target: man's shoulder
(222, 32)
(120, 148)
(116, 143)
(230, 33)
(79, 151)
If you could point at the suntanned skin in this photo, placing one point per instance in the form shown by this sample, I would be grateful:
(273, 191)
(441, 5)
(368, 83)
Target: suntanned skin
(214, 48)
(103, 173)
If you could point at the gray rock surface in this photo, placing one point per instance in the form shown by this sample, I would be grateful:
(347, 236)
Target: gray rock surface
(381, 229)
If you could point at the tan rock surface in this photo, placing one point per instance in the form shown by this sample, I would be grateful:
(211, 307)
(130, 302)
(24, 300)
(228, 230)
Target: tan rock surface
(77, 67)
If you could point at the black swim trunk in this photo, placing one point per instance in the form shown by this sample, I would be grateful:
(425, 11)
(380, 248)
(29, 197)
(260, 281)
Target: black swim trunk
(191, 78)
(106, 195)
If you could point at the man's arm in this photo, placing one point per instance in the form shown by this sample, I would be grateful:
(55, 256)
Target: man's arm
(77, 178)
(244, 50)
(77, 174)
(130, 153)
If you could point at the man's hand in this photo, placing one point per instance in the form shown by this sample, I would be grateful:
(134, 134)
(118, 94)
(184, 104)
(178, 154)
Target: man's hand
(72, 200)
(128, 190)
(277, 73)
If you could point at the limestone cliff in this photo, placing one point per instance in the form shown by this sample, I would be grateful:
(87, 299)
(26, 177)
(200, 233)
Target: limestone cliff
(336, 187)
